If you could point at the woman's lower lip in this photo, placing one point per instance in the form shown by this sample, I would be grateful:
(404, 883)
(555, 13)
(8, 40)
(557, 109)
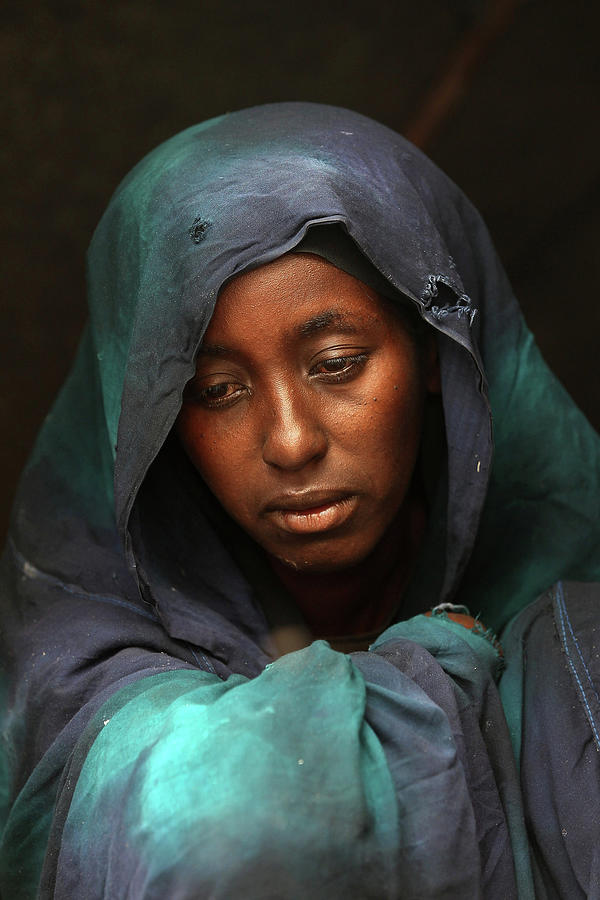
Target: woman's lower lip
(317, 518)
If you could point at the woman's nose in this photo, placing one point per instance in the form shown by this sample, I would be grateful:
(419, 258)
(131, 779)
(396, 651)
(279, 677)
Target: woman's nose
(294, 435)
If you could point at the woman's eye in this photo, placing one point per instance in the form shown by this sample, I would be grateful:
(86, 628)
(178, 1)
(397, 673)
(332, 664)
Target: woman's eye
(215, 395)
(339, 368)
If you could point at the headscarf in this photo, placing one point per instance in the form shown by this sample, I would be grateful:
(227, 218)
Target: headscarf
(517, 508)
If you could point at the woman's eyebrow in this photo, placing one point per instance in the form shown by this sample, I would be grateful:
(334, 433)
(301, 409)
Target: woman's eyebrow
(330, 318)
(213, 350)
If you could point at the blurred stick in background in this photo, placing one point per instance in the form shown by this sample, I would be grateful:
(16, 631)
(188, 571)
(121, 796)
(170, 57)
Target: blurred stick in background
(459, 70)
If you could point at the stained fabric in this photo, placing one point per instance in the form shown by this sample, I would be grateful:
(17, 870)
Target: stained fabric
(140, 752)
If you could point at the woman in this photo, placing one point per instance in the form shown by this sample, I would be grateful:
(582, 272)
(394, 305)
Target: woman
(278, 430)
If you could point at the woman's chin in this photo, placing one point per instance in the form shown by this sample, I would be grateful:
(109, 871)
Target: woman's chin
(322, 559)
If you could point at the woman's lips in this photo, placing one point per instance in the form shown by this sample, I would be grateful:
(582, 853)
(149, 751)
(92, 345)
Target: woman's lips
(314, 517)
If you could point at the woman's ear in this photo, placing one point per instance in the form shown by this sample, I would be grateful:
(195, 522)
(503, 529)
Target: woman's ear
(431, 364)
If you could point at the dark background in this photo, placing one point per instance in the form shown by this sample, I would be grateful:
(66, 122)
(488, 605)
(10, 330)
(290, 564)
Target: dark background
(502, 94)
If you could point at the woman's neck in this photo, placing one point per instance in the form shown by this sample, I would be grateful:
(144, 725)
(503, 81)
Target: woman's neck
(364, 598)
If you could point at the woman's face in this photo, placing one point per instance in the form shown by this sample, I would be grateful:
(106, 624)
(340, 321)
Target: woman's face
(304, 417)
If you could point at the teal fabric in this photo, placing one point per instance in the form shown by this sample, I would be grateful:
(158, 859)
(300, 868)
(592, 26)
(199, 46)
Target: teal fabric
(225, 787)
(472, 659)
(27, 830)
(541, 516)
(174, 767)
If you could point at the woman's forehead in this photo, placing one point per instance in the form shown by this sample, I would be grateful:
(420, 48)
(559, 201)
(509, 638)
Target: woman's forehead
(302, 294)
(299, 292)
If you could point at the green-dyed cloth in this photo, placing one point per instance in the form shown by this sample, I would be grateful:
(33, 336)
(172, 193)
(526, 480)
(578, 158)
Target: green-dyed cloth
(473, 662)
(270, 787)
(326, 776)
